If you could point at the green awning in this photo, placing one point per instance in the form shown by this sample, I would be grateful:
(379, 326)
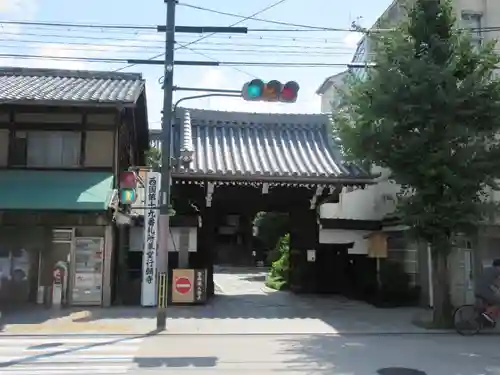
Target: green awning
(55, 190)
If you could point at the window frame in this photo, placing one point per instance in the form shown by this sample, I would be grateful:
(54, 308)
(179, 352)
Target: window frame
(19, 150)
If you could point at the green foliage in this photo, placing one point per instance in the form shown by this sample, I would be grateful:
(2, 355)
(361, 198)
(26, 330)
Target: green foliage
(278, 273)
(429, 111)
(271, 226)
(153, 158)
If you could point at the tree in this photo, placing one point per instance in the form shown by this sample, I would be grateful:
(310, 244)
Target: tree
(153, 158)
(429, 110)
(271, 227)
(278, 276)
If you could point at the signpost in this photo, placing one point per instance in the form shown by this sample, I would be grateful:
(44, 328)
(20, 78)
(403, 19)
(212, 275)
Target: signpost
(189, 286)
(183, 285)
(151, 216)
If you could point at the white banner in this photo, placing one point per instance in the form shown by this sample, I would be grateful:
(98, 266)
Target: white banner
(151, 218)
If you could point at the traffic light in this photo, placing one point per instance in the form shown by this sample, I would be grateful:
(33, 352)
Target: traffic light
(272, 91)
(128, 186)
(254, 89)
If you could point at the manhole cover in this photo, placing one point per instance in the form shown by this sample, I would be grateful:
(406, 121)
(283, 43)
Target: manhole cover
(400, 371)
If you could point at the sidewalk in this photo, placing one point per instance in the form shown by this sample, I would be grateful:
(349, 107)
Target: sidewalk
(251, 314)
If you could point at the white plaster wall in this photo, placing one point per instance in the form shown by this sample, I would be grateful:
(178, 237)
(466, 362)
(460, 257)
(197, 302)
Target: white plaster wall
(372, 203)
(341, 236)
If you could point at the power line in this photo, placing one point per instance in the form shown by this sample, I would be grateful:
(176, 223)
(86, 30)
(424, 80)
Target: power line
(57, 24)
(254, 49)
(125, 60)
(253, 18)
(153, 28)
(130, 29)
(275, 4)
(312, 27)
(79, 25)
(213, 59)
(200, 51)
(218, 37)
(144, 46)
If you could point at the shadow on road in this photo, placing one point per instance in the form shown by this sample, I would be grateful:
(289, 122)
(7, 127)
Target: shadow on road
(34, 358)
(388, 355)
(150, 362)
(337, 312)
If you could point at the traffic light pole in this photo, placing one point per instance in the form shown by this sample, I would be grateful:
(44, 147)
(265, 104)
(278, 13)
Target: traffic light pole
(202, 89)
(166, 133)
(228, 95)
(166, 144)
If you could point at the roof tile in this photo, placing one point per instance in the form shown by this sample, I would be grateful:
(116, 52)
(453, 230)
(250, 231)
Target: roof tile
(26, 84)
(263, 145)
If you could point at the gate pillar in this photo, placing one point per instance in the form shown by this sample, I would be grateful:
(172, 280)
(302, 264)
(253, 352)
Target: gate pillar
(206, 241)
(304, 234)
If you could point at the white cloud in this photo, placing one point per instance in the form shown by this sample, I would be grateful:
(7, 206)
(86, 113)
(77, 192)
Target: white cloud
(19, 10)
(15, 6)
(59, 55)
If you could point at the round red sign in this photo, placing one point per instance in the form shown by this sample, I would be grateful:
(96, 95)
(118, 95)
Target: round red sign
(182, 285)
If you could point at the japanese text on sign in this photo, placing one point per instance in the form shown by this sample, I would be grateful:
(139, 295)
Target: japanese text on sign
(151, 221)
(199, 285)
(151, 217)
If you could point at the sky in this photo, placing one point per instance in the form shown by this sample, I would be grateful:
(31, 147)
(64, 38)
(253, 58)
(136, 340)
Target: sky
(275, 46)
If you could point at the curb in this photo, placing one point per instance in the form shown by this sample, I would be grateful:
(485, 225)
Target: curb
(103, 332)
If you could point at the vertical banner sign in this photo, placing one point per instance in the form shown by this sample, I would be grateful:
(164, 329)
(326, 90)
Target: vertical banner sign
(151, 217)
(200, 285)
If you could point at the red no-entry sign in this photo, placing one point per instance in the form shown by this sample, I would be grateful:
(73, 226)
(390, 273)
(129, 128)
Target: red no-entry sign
(183, 285)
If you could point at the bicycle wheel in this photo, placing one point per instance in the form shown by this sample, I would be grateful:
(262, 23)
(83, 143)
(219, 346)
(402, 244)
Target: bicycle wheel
(467, 320)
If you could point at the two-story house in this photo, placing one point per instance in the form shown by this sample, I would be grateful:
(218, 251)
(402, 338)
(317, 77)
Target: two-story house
(378, 202)
(64, 138)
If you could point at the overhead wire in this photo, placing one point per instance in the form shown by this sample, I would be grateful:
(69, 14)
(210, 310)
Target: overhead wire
(79, 25)
(153, 28)
(139, 30)
(149, 46)
(218, 37)
(124, 60)
(273, 5)
(254, 18)
(200, 51)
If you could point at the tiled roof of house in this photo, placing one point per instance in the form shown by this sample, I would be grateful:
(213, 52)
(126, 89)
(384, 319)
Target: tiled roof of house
(261, 146)
(26, 85)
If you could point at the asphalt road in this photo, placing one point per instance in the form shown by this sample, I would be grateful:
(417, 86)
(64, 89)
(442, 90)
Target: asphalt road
(249, 329)
(411, 354)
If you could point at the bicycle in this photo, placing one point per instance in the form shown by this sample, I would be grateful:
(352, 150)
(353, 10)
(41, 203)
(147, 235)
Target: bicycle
(468, 319)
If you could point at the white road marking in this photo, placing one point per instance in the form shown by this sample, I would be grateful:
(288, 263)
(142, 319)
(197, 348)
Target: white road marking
(67, 355)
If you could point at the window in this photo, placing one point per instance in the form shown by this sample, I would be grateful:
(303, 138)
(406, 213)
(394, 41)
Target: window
(46, 149)
(473, 21)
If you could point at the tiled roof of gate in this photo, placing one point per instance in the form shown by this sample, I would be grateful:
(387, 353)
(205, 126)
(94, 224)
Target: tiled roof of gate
(253, 145)
(72, 86)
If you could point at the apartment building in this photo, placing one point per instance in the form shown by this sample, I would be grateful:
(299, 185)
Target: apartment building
(330, 91)
(378, 202)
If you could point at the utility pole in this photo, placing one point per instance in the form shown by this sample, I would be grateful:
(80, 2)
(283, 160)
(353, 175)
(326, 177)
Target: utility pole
(166, 136)
(166, 141)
